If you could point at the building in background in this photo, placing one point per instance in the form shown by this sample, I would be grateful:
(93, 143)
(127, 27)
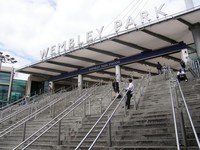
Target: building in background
(11, 89)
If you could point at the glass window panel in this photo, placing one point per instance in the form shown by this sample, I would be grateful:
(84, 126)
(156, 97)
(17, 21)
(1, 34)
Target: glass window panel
(18, 89)
(3, 92)
(5, 77)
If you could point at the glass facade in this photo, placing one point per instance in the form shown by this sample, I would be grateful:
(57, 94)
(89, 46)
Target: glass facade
(5, 77)
(3, 92)
(17, 91)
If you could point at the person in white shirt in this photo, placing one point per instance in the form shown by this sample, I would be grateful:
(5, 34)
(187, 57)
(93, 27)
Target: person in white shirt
(181, 76)
(130, 90)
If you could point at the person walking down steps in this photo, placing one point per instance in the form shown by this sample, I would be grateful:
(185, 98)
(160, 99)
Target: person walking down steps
(129, 94)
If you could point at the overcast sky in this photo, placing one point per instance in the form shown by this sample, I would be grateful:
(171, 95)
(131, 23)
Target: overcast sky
(29, 26)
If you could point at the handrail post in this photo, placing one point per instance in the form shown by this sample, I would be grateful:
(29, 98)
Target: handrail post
(180, 114)
(198, 68)
(59, 129)
(65, 100)
(109, 134)
(24, 132)
(125, 106)
(100, 105)
(135, 103)
(30, 110)
(84, 108)
(53, 110)
(89, 106)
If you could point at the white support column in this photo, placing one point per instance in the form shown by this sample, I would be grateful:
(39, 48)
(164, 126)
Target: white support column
(28, 86)
(118, 74)
(80, 81)
(184, 55)
(196, 36)
(189, 4)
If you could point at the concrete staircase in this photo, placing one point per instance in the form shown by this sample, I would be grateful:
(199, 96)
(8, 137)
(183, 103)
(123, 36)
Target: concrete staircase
(49, 139)
(191, 91)
(149, 127)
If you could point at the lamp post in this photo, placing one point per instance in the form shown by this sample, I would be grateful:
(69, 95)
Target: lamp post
(6, 59)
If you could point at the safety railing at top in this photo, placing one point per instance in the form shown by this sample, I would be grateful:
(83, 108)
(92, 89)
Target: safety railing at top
(18, 105)
(177, 109)
(9, 102)
(28, 108)
(57, 120)
(23, 104)
(5, 103)
(143, 82)
(194, 67)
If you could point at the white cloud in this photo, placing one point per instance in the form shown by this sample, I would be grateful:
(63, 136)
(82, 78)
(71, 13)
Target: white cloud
(29, 26)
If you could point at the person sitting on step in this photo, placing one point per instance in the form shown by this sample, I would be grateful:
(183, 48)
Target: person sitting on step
(181, 76)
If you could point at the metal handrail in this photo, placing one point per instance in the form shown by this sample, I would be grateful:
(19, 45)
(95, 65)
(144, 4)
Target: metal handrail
(14, 113)
(174, 117)
(27, 118)
(102, 97)
(19, 100)
(195, 66)
(189, 116)
(27, 107)
(124, 94)
(50, 125)
(102, 117)
(106, 122)
(56, 118)
(14, 103)
(21, 110)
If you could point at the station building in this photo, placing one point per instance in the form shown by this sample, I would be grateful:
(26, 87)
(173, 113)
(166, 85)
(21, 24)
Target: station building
(130, 52)
(11, 89)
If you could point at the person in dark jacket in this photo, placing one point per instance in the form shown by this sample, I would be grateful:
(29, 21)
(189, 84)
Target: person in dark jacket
(183, 65)
(115, 86)
(159, 67)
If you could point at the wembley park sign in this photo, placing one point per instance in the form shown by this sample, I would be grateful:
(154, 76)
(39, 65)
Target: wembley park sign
(76, 43)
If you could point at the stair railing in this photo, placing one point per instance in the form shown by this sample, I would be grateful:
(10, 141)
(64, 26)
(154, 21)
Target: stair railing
(194, 67)
(188, 114)
(49, 105)
(172, 85)
(22, 108)
(103, 97)
(108, 121)
(175, 85)
(57, 120)
(34, 103)
(140, 83)
(139, 88)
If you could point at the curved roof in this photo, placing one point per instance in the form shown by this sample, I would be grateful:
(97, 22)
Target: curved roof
(147, 38)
